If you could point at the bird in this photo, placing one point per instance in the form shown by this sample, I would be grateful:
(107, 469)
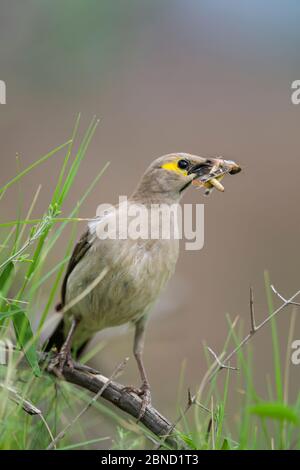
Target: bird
(116, 280)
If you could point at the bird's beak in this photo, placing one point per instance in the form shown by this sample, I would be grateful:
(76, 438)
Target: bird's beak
(209, 172)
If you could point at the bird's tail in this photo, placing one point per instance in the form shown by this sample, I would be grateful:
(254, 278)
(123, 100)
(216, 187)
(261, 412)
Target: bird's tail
(57, 339)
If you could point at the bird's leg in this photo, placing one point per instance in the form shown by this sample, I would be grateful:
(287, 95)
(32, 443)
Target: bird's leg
(64, 357)
(144, 390)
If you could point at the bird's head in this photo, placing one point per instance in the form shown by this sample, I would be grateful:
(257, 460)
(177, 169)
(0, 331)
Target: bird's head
(167, 177)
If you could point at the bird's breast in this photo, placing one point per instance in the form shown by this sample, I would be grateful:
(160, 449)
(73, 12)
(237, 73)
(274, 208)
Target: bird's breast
(137, 271)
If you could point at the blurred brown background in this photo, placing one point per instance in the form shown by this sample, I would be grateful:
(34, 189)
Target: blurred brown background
(210, 78)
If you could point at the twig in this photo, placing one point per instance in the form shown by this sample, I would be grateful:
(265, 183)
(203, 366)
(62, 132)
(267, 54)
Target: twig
(192, 400)
(252, 317)
(221, 365)
(286, 302)
(48, 429)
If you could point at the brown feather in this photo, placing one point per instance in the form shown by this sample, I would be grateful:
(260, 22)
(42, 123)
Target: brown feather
(79, 251)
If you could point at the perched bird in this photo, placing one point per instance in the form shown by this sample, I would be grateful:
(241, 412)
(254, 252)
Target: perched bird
(112, 281)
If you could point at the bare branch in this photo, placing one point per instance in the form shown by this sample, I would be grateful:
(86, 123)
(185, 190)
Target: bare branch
(112, 391)
(117, 370)
(221, 365)
(286, 302)
(127, 402)
(277, 293)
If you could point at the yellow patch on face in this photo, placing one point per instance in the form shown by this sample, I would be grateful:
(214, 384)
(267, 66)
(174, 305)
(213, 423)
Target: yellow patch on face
(172, 166)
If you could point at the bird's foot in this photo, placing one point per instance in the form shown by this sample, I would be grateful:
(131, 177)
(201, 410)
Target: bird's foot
(60, 360)
(144, 393)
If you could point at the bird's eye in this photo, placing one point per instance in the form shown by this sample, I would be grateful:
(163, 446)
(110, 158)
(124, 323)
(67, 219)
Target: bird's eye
(183, 164)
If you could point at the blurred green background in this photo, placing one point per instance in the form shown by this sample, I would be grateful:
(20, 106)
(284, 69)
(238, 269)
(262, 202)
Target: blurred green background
(206, 77)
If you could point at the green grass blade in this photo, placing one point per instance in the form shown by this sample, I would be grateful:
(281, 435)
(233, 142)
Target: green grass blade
(25, 338)
(85, 443)
(6, 274)
(66, 160)
(33, 165)
(77, 161)
(276, 410)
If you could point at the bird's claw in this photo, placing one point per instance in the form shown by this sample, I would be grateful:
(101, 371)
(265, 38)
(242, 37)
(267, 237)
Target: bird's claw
(144, 393)
(59, 361)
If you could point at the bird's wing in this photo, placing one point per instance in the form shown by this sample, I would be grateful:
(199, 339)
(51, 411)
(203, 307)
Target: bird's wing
(79, 251)
(81, 248)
